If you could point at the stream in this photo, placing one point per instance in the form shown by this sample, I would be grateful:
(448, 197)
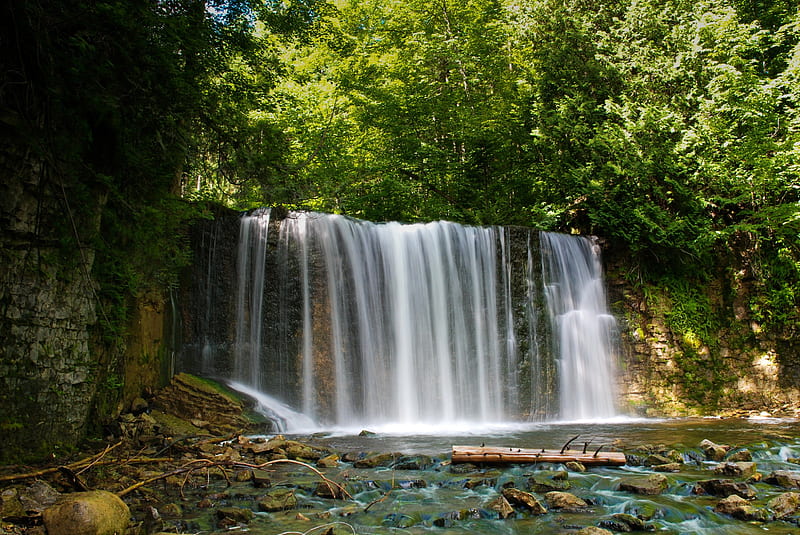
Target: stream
(438, 497)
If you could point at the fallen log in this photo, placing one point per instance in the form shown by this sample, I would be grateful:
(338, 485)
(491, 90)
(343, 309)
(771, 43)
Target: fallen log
(498, 455)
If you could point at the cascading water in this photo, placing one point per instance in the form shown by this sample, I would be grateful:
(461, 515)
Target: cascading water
(583, 330)
(359, 324)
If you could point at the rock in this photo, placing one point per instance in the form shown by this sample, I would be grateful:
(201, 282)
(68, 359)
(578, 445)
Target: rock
(565, 500)
(328, 491)
(631, 522)
(736, 469)
(669, 467)
(413, 462)
(376, 459)
(714, 452)
(366, 433)
(656, 459)
(10, 505)
(785, 505)
(38, 496)
(501, 505)
(475, 482)
(647, 485)
(237, 514)
(592, 530)
(724, 488)
(542, 484)
(524, 499)
(739, 508)
(95, 512)
(575, 466)
(261, 479)
(138, 406)
(739, 455)
(784, 478)
(330, 461)
(277, 500)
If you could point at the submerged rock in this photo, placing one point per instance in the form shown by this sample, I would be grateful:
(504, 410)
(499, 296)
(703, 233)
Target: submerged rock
(625, 523)
(647, 485)
(277, 500)
(95, 512)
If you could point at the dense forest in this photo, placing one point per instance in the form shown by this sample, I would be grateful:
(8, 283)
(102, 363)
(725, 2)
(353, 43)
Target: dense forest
(670, 129)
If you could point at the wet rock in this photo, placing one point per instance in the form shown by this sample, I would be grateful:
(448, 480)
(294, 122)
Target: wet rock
(377, 459)
(236, 514)
(724, 488)
(10, 505)
(656, 459)
(366, 433)
(463, 468)
(575, 466)
(87, 513)
(785, 505)
(669, 467)
(739, 455)
(329, 461)
(593, 530)
(739, 508)
(625, 523)
(736, 469)
(541, 483)
(413, 462)
(277, 500)
(647, 485)
(565, 500)
(261, 479)
(714, 452)
(328, 491)
(475, 482)
(524, 499)
(784, 478)
(501, 505)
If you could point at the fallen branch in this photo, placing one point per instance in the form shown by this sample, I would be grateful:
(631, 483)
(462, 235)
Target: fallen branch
(89, 461)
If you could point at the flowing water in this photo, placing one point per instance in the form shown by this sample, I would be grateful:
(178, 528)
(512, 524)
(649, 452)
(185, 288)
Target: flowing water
(354, 324)
(454, 499)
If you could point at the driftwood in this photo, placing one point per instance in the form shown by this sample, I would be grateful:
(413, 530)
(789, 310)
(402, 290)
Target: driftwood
(488, 454)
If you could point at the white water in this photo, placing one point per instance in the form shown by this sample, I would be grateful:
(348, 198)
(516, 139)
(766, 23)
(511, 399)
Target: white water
(583, 328)
(412, 326)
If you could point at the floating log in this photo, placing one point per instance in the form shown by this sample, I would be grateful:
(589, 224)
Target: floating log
(489, 454)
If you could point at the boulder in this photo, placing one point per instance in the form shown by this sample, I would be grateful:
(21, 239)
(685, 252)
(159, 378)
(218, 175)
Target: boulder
(377, 459)
(96, 512)
(501, 505)
(592, 530)
(785, 505)
(277, 500)
(625, 523)
(739, 508)
(575, 466)
(541, 483)
(236, 514)
(524, 499)
(784, 478)
(736, 469)
(714, 452)
(329, 461)
(565, 500)
(739, 455)
(647, 485)
(724, 488)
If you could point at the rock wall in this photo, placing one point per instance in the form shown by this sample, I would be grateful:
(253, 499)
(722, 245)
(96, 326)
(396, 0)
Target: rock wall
(699, 351)
(59, 374)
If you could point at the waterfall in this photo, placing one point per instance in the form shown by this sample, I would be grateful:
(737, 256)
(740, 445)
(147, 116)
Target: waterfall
(355, 324)
(582, 327)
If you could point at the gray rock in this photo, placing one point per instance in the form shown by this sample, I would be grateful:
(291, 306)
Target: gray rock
(87, 513)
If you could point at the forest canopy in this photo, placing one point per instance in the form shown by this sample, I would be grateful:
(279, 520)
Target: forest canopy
(670, 128)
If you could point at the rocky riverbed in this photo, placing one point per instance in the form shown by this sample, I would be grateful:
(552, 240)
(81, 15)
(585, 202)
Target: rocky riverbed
(177, 473)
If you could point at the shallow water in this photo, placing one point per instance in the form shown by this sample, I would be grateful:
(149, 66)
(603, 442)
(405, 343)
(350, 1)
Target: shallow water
(444, 499)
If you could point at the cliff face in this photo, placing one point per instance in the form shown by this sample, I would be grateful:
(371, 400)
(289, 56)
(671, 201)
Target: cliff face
(695, 347)
(59, 373)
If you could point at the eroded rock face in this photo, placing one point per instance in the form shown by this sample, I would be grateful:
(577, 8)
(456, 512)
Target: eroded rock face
(87, 513)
